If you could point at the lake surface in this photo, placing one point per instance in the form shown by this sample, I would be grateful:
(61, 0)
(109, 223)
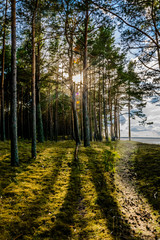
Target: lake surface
(144, 140)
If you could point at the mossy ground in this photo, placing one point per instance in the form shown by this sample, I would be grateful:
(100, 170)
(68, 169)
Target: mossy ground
(147, 168)
(56, 197)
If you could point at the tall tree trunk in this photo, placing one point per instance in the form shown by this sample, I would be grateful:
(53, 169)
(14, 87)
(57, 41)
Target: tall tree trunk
(104, 107)
(69, 36)
(63, 122)
(74, 107)
(72, 124)
(90, 105)
(81, 94)
(85, 83)
(63, 110)
(21, 115)
(95, 115)
(28, 132)
(56, 113)
(115, 118)
(34, 152)
(40, 132)
(3, 132)
(129, 111)
(47, 121)
(119, 123)
(50, 114)
(129, 119)
(100, 108)
(111, 118)
(14, 137)
(8, 118)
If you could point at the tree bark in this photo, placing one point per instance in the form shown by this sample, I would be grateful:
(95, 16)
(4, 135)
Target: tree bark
(129, 119)
(104, 107)
(56, 113)
(115, 118)
(100, 107)
(14, 137)
(90, 105)
(40, 132)
(95, 115)
(21, 115)
(85, 83)
(50, 114)
(81, 94)
(3, 132)
(34, 151)
(69, 36)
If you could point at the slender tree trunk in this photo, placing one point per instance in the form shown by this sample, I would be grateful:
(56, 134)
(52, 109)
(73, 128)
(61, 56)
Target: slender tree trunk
(100, 108)
(28, 132)
(8, 118)
(81, 94)
(56, 113)
(74, 107)
(40, 132)
(69, 36)
(47, 122)
(50, 118)
(129, 119)
(90, 105)
(64, 123)
(85, 83)
(111, 119)
(3, 132)
(104, 107)
(119, 123)
(21, 116)
(95, 115)
(115, 118)
(34, 151)
(14, 137)
(129, 112)
(63, 111)
(72, 124)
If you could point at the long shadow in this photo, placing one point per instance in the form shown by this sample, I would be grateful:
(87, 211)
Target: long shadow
(116, 223)
(7, 172)
(147, 168)
(26, 226)
(65, 223)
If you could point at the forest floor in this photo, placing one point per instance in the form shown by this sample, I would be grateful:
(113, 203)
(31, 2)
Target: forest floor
(112, 192)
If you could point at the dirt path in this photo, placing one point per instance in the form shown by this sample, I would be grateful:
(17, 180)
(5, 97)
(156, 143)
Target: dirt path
(134, 206)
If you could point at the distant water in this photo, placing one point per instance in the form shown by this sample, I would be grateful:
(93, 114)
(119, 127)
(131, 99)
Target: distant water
(144, 140)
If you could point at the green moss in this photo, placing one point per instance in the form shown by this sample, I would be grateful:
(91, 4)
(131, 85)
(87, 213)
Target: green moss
(56, 197)
(147, 168)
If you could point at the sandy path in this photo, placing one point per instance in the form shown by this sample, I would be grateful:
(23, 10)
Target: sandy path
(134, 206)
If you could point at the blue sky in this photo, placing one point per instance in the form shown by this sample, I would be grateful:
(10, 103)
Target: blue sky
(152, 111)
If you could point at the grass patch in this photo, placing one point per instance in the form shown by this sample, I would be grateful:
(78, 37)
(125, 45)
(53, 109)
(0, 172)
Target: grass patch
(105, 196)
(32, 193)
(147, 168)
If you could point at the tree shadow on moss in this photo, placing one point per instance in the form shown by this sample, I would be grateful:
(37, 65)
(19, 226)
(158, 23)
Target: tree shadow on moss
(32, 210)
(64, 222)
(116, 223)
(147, 168)
(7, 172)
